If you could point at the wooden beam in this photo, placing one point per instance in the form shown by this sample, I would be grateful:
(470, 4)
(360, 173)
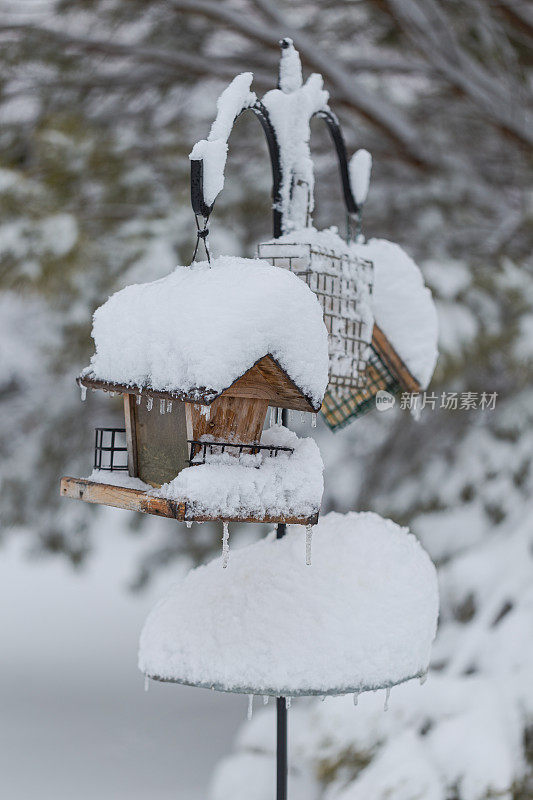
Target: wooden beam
(393, 362)
(137, 500)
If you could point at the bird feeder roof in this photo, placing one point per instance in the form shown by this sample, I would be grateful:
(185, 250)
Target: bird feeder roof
(197, 331)
(362, 616)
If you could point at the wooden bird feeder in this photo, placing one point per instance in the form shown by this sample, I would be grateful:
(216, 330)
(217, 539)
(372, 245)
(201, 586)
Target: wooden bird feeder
(167, 431)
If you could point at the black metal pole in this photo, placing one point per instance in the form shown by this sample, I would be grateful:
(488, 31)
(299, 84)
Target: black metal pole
(281, 750)
(281, 703)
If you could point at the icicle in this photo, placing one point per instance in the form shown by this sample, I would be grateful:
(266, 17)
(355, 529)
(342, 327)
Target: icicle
(205, 411)
(169, 406)
(138, 399)
(291, 415)
(146, 683)
(308, 543)
(225, 545)
(83, 392)
(355, 698)
(302, 416)
(188, 523)
(313, 420)
(288, 702)
(265, 699)
(271, 417)
(250, 711)
(149, 403)
(387, 698)
(162, 406)
(279, 416)
(423, 678)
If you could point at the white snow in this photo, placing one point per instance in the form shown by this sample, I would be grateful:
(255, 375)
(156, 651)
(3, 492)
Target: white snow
(213, 150)
(359, 171)
(118, 478)
(290, 68)
(403, 306)
(214, 155)
(205, 326)
(362, 616)
(253, 485)
(290, 110)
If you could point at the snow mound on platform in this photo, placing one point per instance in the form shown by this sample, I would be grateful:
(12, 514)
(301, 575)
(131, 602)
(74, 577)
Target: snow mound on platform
(362, 616)
(202, 327)
(288, 485)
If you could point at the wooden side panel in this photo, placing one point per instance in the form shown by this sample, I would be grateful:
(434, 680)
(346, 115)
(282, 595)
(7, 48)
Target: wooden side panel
(231, 419)
(131, 441)
(161, 442)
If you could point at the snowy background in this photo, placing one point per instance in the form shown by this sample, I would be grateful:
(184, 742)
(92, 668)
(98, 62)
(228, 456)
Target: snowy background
(100, 103)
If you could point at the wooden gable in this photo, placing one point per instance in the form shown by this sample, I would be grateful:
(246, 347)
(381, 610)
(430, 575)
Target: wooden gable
(265, 380)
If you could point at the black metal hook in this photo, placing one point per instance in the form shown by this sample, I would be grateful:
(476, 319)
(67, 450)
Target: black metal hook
(197, 168)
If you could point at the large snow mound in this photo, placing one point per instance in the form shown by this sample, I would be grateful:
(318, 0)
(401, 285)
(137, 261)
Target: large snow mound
(204, 326)
(403, 306)
(362, 616)
(254, 485)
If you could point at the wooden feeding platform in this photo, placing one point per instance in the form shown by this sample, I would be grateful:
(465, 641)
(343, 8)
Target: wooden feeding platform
(138, 500)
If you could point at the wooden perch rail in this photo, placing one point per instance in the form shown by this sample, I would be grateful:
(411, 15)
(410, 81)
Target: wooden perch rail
(137, 500)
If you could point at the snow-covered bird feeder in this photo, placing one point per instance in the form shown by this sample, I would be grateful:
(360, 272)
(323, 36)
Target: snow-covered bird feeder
(317, 323)
(342, 282)
(403, 349)
(362, 618)
(380, 316)
(199, 357)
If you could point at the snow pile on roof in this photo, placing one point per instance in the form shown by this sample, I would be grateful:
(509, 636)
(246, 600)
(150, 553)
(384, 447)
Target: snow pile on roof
(204, 327)
(362, 616)
(213, 150)
(289, 484)
(403, 306)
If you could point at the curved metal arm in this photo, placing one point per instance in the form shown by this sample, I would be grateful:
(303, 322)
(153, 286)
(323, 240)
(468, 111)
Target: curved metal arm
(352, 207)
(197, 168)
(197, 171)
